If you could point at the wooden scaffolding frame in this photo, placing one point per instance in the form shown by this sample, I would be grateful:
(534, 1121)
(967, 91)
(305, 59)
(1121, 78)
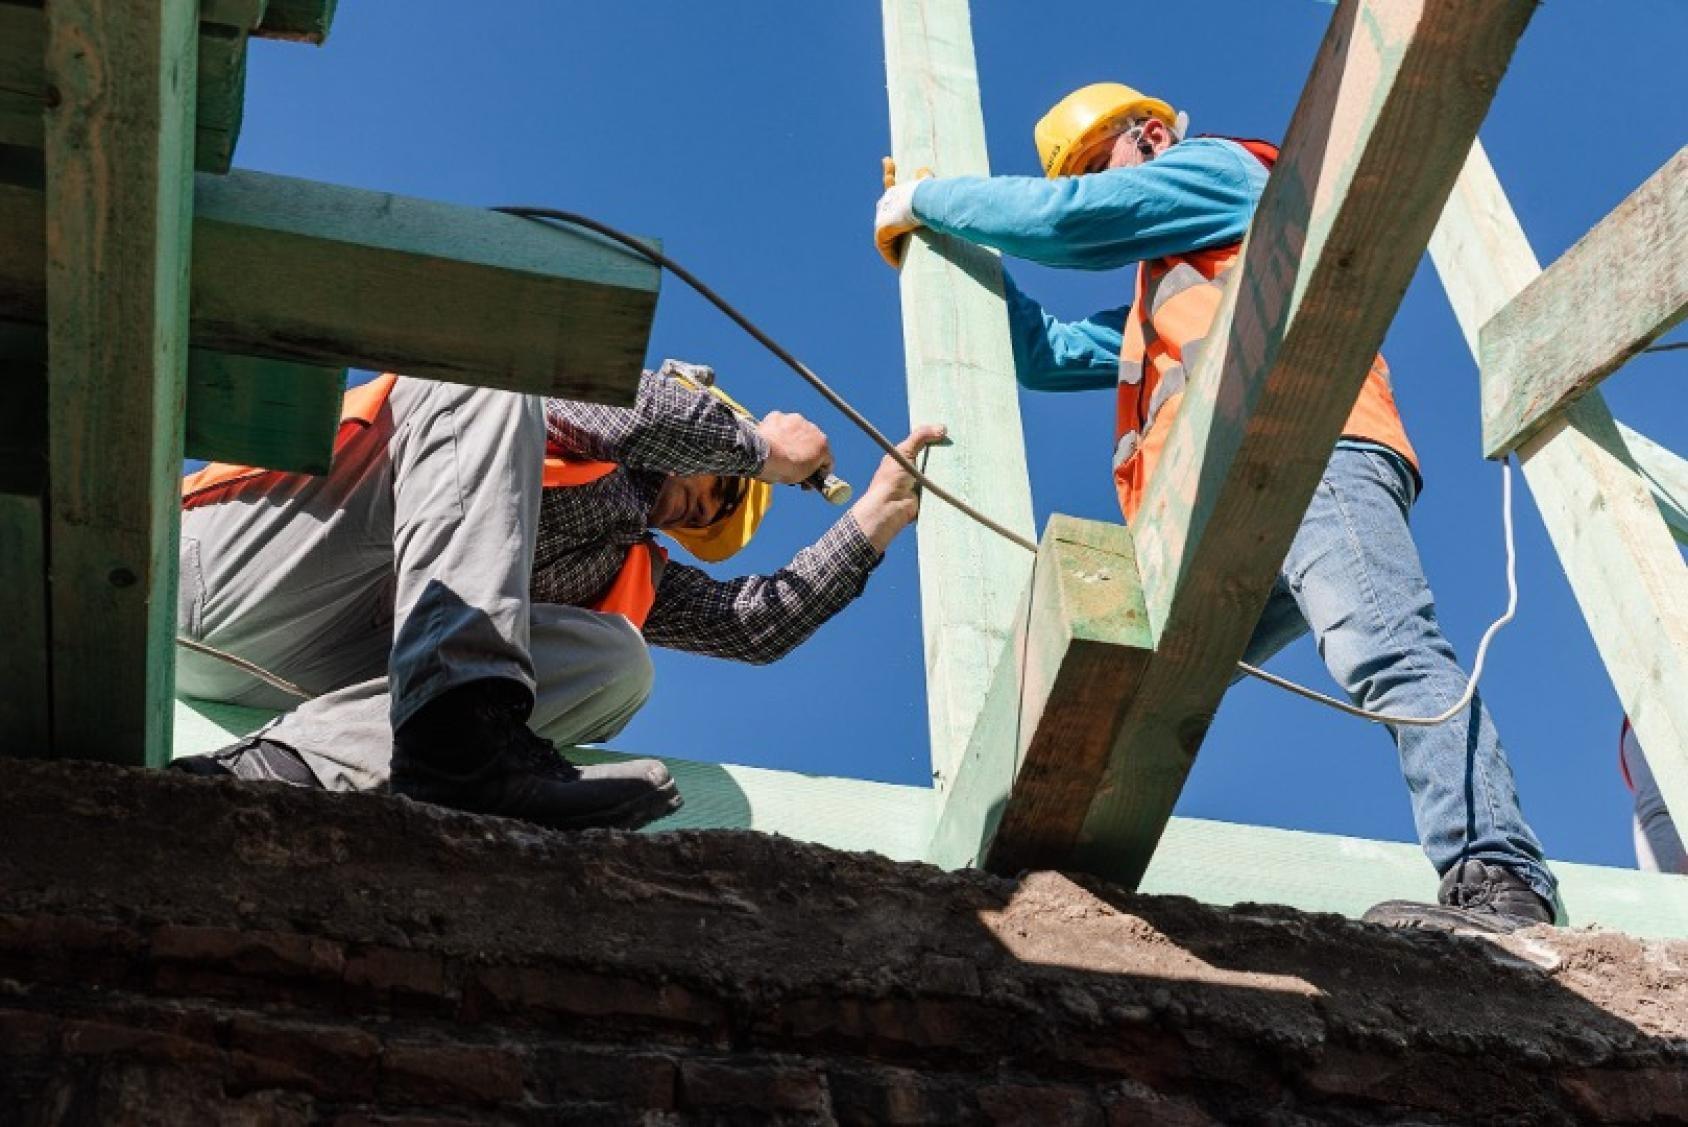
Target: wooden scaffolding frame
(1068, 693)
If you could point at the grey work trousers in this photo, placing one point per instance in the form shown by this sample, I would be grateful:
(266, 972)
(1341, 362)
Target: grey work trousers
(401, 573)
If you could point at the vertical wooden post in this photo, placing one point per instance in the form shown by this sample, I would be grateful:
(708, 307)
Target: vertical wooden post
(121, 82)
(960, 373)
(1627, 574)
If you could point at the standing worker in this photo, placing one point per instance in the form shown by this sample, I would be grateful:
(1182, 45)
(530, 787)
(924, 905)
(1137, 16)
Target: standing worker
(476, 578)
(1123, 185)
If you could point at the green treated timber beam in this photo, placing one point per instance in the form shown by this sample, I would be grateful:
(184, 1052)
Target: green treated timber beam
(960, 366)
(220, 101)
(1227, 863)
(243, 15)
(117, 234)
(1037, 754)
(251, 412)
(305, 20)
(340, 277)
(1621, 287)
(1215, 862)
(1624, 568)
(1666, 475)
(1394, 100)
(267, 413)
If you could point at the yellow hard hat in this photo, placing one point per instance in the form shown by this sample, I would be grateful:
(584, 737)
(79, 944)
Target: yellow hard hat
(727, 536)
(1087, 115)
(723, 539)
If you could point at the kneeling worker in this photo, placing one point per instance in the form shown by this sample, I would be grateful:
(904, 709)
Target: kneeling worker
(476, 577)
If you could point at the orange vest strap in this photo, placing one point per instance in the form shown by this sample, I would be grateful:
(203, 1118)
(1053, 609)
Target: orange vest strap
(561, 472)
(633, 593)
(363, 403)
(1156, 339)
(1263, 151)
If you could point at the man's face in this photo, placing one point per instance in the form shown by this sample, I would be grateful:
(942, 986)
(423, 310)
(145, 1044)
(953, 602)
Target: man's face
(695, 500)
(1141, 143)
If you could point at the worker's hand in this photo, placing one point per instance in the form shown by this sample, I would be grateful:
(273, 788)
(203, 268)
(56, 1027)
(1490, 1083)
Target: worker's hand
(797, 449)
(894, 216)
(892, 499)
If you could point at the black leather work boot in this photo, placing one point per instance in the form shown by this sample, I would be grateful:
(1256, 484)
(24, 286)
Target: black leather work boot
(471, 749)
(254, 759)
(1475, 896)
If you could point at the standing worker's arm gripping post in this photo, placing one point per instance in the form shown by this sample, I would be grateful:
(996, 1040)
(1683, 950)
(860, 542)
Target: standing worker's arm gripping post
(761, 618)
(1199, 193)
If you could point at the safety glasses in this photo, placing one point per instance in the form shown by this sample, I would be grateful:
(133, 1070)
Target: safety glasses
(1096, 155)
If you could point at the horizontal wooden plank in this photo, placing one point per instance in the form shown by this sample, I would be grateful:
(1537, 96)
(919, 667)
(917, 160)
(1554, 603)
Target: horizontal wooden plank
(220, 104)
(1215, 862)
(1667, 477)
(239, 409)
(1226, 863)
(1622, 286)
(1061, 687)
(342, 277)
(1396, 94)
(267, 413)
(307, 21)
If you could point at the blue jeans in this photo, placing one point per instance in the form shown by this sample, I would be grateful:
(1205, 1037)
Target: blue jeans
(1354, 579)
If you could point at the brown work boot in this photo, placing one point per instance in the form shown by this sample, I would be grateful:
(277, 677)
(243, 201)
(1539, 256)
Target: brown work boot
(471, 749)
(1475, 896)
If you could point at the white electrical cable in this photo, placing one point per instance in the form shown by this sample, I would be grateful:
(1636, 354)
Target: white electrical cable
(1464, 701)
(245, 666)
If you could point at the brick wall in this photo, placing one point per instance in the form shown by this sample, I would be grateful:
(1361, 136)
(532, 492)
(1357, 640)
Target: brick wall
(181, 951)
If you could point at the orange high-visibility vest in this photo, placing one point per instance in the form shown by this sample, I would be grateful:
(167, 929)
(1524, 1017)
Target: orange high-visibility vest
(631, 594)
(1175, 302)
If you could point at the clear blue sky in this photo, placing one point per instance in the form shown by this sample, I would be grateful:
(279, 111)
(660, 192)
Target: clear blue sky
(748, 137)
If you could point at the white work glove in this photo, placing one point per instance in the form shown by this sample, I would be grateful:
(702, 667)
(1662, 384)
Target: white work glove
(894, 217)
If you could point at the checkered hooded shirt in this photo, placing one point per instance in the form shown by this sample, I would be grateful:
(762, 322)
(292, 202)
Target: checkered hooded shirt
(586, 530)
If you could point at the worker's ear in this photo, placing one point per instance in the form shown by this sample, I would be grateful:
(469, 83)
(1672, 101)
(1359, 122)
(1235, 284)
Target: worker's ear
(1156, 137)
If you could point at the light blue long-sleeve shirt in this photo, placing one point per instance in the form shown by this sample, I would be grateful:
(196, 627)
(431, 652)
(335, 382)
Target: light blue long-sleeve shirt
(1199, 193)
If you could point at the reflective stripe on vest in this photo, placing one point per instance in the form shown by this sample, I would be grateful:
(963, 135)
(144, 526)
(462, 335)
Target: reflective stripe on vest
(630, 594)
(1173, 307)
